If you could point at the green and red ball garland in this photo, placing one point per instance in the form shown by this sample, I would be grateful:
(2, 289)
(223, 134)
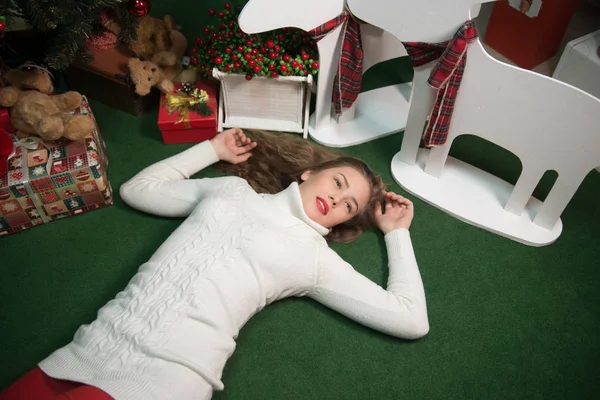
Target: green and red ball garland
(286, 51)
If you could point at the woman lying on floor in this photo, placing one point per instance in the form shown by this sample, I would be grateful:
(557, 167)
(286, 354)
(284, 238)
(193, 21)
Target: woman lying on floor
(247, 241)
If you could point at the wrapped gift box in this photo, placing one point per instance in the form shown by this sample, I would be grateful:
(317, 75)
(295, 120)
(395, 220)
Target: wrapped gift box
(193, 129)
(46, 181)
(528, 32)
(5, 120)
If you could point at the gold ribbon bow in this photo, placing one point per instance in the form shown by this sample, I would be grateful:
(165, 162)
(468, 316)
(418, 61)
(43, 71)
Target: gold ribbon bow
(183, 103)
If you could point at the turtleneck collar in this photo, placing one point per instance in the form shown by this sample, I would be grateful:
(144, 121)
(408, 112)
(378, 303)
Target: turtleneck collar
(290, 200)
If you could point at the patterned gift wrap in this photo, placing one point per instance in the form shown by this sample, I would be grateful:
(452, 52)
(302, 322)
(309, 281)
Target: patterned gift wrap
(46, 181)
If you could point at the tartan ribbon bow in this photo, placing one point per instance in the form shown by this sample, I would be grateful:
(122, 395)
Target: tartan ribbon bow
(445, 77)
(346, 87)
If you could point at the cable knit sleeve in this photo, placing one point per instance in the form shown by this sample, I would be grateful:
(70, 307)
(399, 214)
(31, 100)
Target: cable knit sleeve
(398, 311)
(164, 189)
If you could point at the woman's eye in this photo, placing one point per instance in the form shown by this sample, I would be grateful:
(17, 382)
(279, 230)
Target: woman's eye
(337, 183)
(348, 207)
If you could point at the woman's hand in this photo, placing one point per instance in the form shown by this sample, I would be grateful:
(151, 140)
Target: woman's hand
(233, 146)
(399, 213)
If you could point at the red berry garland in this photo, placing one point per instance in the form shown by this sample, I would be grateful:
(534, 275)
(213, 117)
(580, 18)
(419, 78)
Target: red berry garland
(286, 51)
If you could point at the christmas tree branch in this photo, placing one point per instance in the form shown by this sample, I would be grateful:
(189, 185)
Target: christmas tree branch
(69, 23)
(128, 22)
(10, 9)
(68, 43)
(33, 10)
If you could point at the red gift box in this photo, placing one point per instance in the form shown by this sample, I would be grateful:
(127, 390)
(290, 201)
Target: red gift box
(5, 120)
(528, 41)
(193, 129)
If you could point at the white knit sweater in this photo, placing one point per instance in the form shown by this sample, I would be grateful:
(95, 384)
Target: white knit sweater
(169, 333)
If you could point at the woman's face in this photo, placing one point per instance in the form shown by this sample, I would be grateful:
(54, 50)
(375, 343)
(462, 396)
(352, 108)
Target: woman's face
(335, 195)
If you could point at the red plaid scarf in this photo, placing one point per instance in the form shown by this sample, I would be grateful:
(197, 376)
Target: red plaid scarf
(445, 77)
(347, 81)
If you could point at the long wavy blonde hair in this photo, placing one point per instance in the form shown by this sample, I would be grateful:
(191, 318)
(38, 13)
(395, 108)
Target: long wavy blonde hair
(280, 159)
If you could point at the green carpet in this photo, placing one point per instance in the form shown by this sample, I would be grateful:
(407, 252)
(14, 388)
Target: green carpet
(507, 320)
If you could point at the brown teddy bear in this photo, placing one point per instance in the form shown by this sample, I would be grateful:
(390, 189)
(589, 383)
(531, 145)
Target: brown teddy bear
(159, 48)
(34, 111)
(153, 36)
(161, 70)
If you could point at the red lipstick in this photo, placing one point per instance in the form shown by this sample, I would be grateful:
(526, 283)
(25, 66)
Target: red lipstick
(322, 206)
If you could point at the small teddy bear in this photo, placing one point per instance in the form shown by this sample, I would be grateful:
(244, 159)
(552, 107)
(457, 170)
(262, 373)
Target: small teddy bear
(147, 74)
(33, 110)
